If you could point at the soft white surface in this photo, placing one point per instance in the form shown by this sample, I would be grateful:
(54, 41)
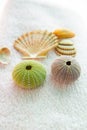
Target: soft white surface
(46, 108)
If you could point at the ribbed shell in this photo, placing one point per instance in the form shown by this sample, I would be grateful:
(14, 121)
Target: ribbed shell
(36, 43)
(4, 55)
(29, 74)
(65, 70)
(65, 47)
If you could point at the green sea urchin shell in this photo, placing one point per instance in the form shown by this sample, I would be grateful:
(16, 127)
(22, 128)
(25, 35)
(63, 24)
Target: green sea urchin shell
(29, 74)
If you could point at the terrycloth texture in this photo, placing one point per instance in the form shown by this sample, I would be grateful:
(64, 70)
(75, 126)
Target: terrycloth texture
(48, 107)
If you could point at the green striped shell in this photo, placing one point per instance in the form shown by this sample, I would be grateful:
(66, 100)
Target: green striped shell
(29, 74)
(65, 47)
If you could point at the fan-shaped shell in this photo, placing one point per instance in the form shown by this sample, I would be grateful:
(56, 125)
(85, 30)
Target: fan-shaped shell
(36, 43)
(65, 47)
(4, 55)
(65, 70)
(29, 74)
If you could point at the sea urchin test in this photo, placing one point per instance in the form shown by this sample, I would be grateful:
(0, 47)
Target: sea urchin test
(65, 70)
(29, 74)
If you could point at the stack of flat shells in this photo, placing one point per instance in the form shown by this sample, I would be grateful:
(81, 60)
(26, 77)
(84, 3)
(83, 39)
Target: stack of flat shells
(65, 46)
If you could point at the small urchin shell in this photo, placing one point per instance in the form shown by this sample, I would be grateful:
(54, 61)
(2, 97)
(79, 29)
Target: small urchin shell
(29, 74)
(65, 70)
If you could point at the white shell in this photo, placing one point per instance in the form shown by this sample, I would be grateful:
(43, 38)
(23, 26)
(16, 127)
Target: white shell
(65, 70)
(4, 55)
(65, 47)
(36, 43)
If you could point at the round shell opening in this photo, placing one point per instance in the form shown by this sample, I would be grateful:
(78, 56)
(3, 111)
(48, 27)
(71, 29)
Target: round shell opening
(28, 67)
(68, 63)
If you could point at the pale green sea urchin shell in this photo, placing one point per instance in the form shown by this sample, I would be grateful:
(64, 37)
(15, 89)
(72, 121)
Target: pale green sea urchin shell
(65, 70)
(29, 74)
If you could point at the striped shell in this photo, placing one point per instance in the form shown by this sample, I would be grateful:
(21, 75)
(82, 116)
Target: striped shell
(29, 74)
(36, 43)
(65, 70)
(65, 47)
(4, 55)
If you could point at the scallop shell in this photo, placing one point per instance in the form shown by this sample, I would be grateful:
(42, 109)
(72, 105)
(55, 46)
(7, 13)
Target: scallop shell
(4, 55)
(36, 43)
(65, 70)
(63, 33)
(29, 74)
(65, 47)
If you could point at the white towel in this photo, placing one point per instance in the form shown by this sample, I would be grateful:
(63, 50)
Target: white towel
(48, 107)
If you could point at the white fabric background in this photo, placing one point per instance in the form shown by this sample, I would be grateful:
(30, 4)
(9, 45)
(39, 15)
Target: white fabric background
(48, 107)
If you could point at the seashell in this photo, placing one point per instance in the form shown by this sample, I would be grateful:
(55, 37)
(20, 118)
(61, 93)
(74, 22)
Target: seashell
(63, 33)
(65, 47)
(4, 55)
(65, 70)
(36, 44)
(29, 74)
